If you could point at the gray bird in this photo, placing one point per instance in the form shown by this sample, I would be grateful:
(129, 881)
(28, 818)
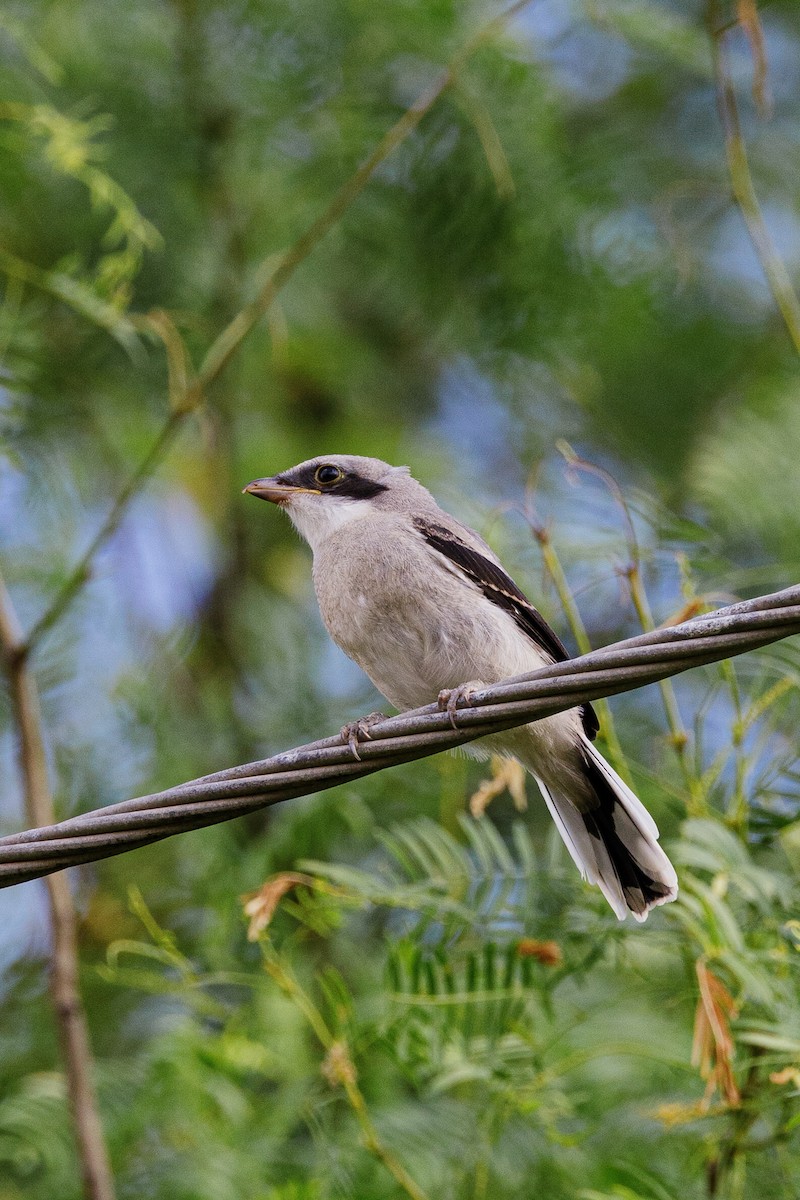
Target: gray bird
(423, 605)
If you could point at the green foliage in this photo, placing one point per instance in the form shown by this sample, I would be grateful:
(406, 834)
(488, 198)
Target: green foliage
(431, 1005)
(99, 292)
(463, 1002)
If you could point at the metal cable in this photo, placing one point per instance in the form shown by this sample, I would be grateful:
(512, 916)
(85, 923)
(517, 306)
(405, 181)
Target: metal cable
(416, 734)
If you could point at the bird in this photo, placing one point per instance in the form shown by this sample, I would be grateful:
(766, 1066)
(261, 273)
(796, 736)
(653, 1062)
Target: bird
(423, 605)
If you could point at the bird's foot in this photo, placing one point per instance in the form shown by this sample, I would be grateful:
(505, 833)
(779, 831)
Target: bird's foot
(357, 731)
(450, 699)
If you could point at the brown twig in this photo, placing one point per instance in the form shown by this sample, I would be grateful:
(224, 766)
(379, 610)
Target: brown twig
(98, 1183)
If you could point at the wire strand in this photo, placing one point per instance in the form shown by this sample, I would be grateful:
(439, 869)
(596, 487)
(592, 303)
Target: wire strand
(226, 794)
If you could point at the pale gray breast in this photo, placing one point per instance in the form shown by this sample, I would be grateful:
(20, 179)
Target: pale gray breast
(411, 620)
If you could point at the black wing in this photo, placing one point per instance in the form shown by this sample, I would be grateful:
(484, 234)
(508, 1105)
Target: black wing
(502, 591)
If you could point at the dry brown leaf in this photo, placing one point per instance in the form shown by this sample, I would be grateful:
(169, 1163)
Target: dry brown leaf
(787, 1075)
(508, 775)
(673, 1115)
(713, 1045)
(690, 609)
(548, 953)
(260, 906)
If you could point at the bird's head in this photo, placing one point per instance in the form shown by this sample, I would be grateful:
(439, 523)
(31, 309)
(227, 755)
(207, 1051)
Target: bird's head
(324, 493)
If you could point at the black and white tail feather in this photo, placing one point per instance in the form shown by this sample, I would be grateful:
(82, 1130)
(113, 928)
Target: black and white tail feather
(609, 833)
(614, 841)
(421, 603)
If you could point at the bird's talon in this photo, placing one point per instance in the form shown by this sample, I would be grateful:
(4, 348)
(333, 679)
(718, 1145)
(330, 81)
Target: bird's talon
(450, 698)
(443, 700)
(356, 731)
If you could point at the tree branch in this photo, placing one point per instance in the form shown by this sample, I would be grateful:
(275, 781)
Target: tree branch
(80, 573)
(73, 1033)
(230, 339)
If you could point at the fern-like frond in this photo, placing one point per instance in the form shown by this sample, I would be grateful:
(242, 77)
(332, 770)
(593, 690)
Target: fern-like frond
(475, 884)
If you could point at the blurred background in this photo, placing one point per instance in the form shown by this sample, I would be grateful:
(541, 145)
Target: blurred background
(548, 304)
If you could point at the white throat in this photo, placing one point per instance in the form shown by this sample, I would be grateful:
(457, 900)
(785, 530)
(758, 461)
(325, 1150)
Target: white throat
(316, 517)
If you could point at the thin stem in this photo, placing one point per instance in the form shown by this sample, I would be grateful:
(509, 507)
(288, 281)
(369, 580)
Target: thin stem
(555, 570)
(741, 178)
(230, 339)
(374, 1144)
(679, 737)
(98, 1183)
(480, 1190)
(234, 334)
(480, 118)
(721, 1170)
(80, 573)
(738, 807)
(339, 1069)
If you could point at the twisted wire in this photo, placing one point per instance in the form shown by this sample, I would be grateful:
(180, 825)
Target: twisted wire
(323, 764)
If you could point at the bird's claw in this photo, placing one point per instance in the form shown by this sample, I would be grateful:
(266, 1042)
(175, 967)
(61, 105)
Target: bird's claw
(449, 699)
(357, 731)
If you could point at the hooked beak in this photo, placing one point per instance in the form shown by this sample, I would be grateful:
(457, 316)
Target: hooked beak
(276, 493)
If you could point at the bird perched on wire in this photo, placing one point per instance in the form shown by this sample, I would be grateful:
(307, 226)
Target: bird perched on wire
(424, 606)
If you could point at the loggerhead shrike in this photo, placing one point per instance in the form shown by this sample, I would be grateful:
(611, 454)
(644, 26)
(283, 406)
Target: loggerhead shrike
(422, 604)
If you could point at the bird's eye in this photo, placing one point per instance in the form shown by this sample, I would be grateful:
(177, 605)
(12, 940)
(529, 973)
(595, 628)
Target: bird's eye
(328, 474)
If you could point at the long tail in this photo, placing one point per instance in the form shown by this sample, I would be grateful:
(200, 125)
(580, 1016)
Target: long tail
(612, 838)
